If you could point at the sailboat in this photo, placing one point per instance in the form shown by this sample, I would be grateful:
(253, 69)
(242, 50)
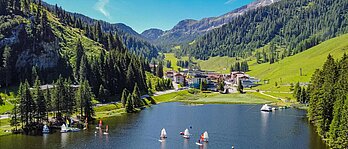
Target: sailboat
(205, 136)
(186, 134)
(266, 108)
(86, 124)
(100, 124)
(63, 129)
(106, 130)
(45, 130)
(163, 135)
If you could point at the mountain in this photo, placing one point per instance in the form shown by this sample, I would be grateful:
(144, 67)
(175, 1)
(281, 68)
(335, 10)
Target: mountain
(132, 40)
(187, 30)
(289, 26)
(152, 34)
(49, 43)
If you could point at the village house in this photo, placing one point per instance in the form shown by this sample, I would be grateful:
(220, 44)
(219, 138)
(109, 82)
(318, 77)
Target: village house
(197, 79)
(179, 78)
(170, 74)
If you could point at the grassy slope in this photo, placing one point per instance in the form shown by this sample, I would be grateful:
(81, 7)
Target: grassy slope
(218, 64)
(69, 36)
(173, 59)
(288, 70)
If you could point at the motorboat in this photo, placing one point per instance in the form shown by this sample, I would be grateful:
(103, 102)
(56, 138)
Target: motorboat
(266, 108)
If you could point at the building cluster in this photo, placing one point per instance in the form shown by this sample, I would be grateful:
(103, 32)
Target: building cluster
(194, 78)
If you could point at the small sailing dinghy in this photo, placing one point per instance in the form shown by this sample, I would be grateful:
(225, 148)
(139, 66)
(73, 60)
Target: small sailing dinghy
(99, 125)
(205, 137)
(266, 108)
(63, 129)
(186, 134)
(45, 130)
(106, 130)
(163, 135)
(85, 124)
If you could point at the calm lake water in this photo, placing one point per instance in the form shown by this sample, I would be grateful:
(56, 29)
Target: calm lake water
(243, 126)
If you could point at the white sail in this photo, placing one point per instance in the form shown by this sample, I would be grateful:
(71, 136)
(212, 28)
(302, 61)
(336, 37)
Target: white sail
(63, 128)
(205, 135)
(45, 129)
(163, 133)
(186, 134)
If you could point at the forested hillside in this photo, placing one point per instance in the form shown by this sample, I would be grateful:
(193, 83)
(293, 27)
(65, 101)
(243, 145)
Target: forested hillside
(292, 26)
(39, 43)
(328, 104)
(135, 42)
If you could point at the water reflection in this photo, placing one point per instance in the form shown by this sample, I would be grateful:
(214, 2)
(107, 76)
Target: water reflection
(64, 139)
(45, 137)
(163, 144)
(264, 122)
(205, 145)
(186, 144)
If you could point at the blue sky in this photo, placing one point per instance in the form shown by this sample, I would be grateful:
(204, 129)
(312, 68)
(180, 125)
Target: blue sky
(145, 14)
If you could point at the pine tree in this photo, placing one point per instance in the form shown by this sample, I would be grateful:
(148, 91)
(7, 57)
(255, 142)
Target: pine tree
(84, 98)
(83, 69)
(79, 55)
(124, 97)
(27, 104)
(240, 86)
(7, 56)
(34, 75)
(14, 114)
(129, 105)
(48, 101)
(159, 70)
(297, 89)
(136, 97)
(40, 101)
(130, 77)
(101, 92)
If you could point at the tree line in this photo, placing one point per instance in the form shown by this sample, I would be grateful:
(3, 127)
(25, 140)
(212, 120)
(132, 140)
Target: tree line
(328, 102)
(243, 66)
(34, 103)
(183, 63)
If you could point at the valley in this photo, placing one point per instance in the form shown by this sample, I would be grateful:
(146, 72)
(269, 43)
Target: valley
(271, 71)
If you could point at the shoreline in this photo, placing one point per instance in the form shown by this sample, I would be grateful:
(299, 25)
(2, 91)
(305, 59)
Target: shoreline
(114, 110)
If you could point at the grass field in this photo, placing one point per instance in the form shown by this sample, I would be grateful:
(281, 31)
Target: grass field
(218, 64)
(9, 96)
(237, 98)
(173, 59)
(217, 98)
(288, 70)
(5, 125)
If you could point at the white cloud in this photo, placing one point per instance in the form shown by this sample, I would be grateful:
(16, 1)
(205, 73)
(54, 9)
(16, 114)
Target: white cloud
(100, 6)
(230, 1)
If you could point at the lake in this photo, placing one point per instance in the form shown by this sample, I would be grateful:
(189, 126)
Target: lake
(243, 126)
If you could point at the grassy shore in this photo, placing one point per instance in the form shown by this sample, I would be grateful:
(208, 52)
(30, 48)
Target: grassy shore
(109, 110)
(5, 125)
(217, 98)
